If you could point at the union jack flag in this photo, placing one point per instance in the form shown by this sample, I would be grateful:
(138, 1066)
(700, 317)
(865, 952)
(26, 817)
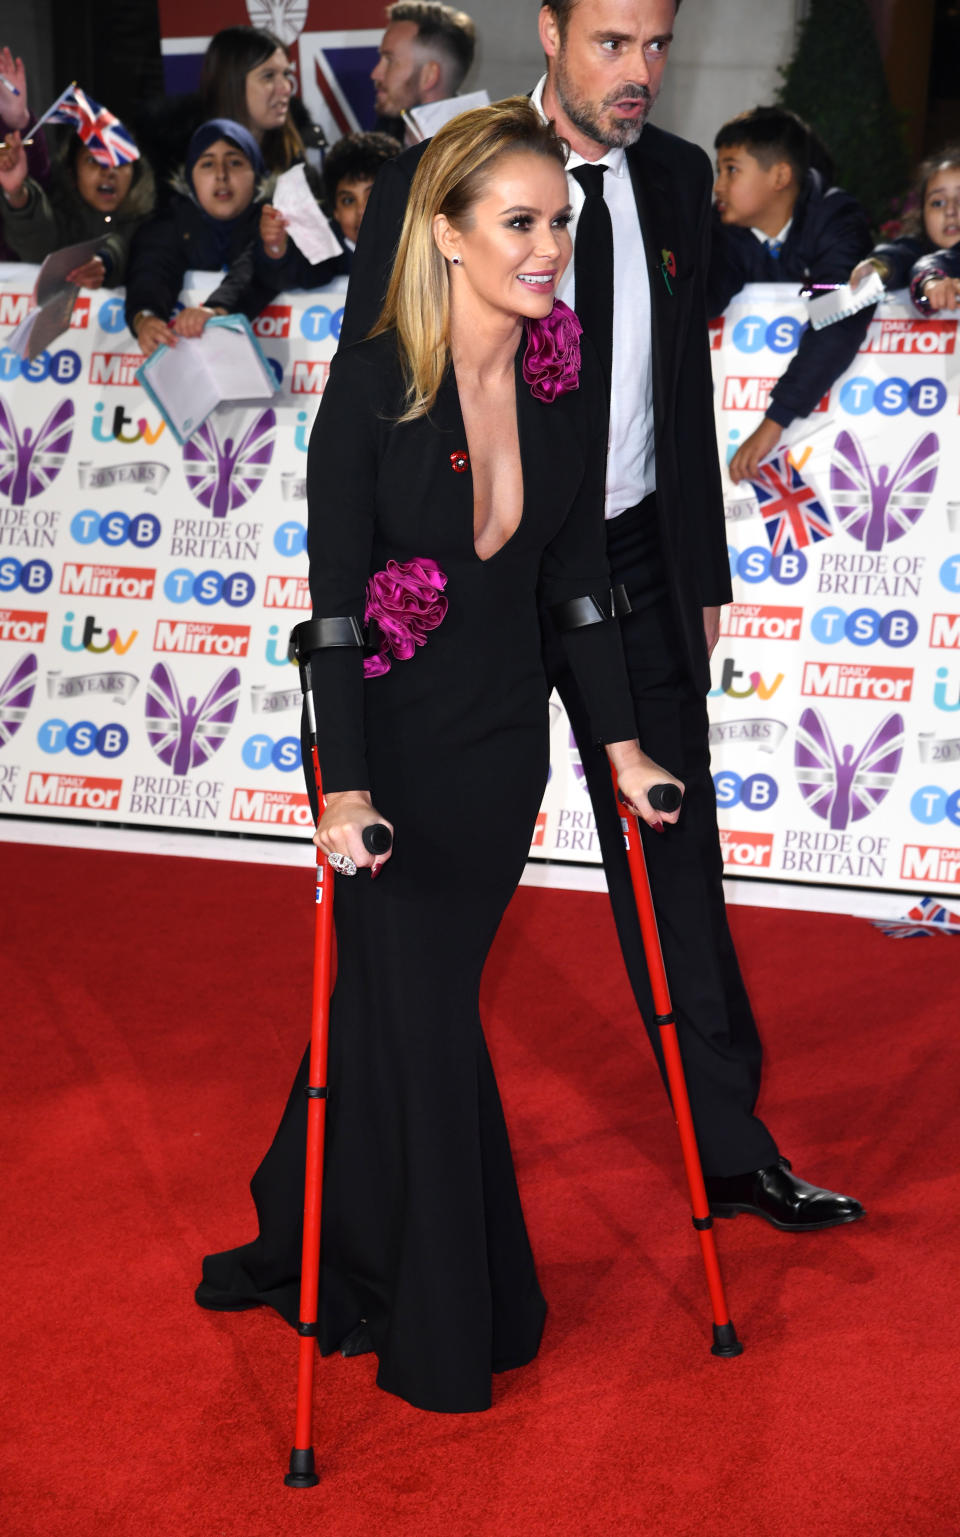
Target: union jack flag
(928, 917)
(791, 513)
(103, 134)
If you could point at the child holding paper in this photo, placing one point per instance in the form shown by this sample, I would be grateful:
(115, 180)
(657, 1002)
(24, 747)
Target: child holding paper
(83, 200)
(349, 169)
(777, 221)
(926, 257)
(209, 224)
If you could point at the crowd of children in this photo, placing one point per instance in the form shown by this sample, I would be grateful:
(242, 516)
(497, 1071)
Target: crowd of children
(778, 217)
(209, 211)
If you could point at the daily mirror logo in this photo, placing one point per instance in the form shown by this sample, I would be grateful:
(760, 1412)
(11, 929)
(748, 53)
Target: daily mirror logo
(82, 792)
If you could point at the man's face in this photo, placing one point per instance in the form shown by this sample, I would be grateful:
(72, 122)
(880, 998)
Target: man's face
(744, 189)
(396, 77)
(607, 68)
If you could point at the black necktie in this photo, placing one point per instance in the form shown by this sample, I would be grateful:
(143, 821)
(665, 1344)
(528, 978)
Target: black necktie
(593, 264)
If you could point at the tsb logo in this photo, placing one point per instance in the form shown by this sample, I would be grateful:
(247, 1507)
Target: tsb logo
(317, 323)
(758, 792)
(83, 738)
(864, 627)
(892, 396)
(931, 804)
(209, 587)
(32, 575)
(261, 751)
(60, 367)
(758, 565)
(115, 528)
(781, 335)
(290, 539)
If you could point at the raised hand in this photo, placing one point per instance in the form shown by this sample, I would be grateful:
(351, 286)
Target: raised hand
(90, 275)
(14, 111)
(13, 171)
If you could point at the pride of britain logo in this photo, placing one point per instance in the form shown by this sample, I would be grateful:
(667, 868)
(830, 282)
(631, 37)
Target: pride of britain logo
(223, 476)
(29, 464)
(16, 696)
(879, 509)
(185, 736)
(845, 786)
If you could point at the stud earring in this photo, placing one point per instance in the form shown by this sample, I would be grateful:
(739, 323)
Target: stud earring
(455, 261)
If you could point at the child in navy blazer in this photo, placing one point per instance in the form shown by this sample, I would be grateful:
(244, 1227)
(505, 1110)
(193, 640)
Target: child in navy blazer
(778, 219)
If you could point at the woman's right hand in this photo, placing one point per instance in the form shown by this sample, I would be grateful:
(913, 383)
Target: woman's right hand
(13, 171)
(340, 829)
(152, 332)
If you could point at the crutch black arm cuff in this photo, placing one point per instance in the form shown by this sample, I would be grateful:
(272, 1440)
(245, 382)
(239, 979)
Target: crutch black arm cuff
(316, 634)
(575, 613)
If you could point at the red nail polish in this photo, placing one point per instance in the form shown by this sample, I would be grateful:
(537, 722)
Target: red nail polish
(657, 827)
(375, 871)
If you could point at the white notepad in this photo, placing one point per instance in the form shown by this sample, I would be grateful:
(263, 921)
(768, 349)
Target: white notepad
(827, 309)
(188, 381)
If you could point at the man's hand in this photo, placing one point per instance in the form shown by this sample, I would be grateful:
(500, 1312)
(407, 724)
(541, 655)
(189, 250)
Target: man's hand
(750, 455)
(711, 628)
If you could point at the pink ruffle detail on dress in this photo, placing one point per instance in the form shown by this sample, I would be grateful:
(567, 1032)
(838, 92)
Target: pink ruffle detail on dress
(551, 363)
(407, 603)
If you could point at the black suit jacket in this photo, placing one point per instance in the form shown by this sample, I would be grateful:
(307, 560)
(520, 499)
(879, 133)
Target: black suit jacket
(672, 183)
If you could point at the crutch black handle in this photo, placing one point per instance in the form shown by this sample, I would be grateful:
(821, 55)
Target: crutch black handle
(665, 797)
(377, 838)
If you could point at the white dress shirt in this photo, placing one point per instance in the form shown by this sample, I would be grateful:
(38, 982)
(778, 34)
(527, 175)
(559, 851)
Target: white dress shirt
(631, 471)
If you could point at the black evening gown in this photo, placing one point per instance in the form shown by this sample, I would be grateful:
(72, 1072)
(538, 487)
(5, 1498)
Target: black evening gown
(423, 1234)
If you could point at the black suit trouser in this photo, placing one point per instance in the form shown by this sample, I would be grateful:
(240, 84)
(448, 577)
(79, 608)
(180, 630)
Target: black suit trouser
(718, 1037)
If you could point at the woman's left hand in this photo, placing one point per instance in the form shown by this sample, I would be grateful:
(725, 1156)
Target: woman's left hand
(636, 776)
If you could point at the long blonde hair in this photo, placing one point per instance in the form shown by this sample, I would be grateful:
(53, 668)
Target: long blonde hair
(452, 176)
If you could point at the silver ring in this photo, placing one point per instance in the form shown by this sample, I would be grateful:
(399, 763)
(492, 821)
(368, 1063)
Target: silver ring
(342, 863)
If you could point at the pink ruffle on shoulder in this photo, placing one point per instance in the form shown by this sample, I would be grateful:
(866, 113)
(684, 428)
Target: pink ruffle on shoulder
(551, 363)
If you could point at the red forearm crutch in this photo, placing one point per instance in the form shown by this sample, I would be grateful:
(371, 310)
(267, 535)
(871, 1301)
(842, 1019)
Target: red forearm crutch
(302, 1473)
(666, 797)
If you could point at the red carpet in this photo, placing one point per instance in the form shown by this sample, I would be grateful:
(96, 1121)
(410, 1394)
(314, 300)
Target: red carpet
(155, 1012)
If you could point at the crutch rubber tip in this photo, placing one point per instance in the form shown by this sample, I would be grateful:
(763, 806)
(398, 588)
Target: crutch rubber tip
(725, 1342)
(303, 1473)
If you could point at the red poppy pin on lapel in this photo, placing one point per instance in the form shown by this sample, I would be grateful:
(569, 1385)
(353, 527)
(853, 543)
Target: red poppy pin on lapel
(668, 266)
(459, 461)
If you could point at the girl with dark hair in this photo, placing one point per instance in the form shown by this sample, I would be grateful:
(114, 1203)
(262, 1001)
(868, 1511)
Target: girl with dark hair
(926, 257)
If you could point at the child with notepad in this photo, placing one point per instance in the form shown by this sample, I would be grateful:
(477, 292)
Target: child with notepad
(926, 257)
(349, 169)
(778, 220)
(209, 224)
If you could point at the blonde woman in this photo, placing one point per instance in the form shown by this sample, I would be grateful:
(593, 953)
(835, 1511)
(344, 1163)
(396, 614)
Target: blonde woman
(456, 471)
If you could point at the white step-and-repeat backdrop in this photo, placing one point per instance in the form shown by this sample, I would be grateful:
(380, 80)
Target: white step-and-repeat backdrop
(147, 591)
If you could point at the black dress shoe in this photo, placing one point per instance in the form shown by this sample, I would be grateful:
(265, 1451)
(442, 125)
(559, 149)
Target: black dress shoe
(222, 1302)
(357, 1342)
(777, 1194)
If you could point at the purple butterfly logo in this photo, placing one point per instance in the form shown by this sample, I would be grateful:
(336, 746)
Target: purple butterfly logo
(29, 464)
(882, 509)
(182, 735)
(224, 476)
(16, 696)
(838, 786)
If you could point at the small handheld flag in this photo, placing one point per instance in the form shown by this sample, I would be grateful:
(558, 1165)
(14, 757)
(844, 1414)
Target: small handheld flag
(103, 134)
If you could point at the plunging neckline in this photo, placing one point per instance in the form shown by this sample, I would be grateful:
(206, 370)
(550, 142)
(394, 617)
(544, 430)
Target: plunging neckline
(484, 560)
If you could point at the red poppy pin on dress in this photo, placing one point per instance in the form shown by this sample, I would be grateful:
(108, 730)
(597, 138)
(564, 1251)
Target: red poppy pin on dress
(668, 266)
(459, 460)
